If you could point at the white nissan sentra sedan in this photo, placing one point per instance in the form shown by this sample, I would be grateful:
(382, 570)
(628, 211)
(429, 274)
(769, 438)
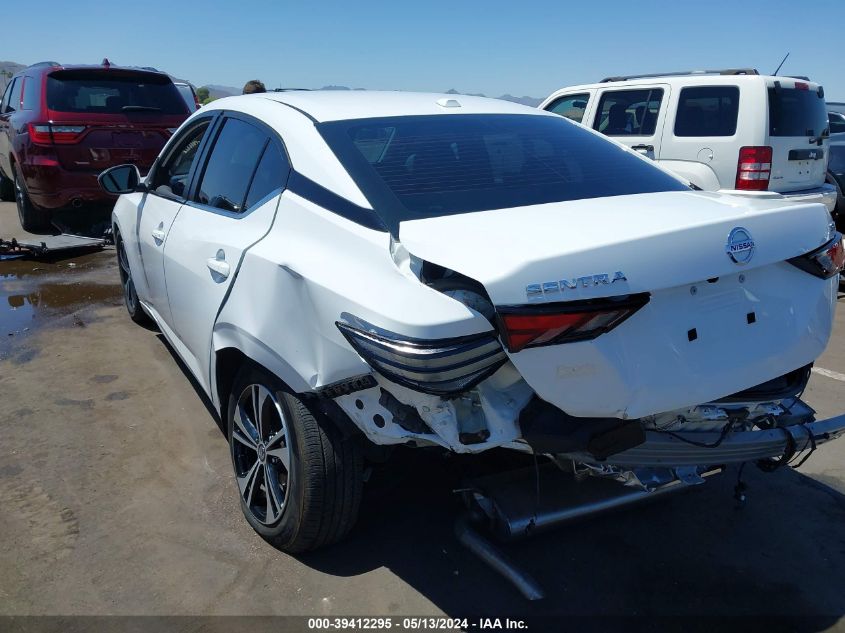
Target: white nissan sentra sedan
(339, 270)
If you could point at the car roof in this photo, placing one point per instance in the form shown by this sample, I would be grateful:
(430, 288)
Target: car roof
(689, 80)
(337, 105)
(50, 67)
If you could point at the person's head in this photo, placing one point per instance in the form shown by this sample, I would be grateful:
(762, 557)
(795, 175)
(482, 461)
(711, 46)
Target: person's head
(253, 86)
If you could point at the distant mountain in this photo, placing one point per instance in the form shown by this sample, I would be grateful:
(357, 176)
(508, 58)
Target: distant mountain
(452, 91)
(528, 101)
(218, 92)
(7, 69)
(525, 100)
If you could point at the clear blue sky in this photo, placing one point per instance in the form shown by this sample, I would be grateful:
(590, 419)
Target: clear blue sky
(520, 47)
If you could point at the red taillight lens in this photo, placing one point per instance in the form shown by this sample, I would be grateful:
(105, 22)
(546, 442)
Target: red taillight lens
(824, 262)
(566, 322)
(754, 168)
(47, 134)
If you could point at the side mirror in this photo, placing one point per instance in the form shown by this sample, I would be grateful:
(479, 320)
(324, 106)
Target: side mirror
(120, 179)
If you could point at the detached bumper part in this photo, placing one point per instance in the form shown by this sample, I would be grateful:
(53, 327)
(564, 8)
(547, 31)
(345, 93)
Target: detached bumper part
(660, 449)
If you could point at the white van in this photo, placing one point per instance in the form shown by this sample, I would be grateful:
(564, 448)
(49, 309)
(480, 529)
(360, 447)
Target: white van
(722, 130)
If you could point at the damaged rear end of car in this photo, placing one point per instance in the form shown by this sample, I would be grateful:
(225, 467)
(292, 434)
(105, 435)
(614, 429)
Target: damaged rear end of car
(627, 328)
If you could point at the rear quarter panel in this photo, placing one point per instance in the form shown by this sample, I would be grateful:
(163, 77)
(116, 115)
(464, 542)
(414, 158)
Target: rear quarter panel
(313, 269)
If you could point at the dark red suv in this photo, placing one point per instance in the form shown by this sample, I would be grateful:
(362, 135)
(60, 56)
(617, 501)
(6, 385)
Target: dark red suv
(60, 126)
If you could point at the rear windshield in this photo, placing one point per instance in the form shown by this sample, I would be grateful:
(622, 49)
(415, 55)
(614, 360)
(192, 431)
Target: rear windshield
(112, 93)
(795, 112)
(426, 166)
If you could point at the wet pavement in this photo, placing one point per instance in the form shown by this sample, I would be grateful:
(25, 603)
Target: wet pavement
(35, 294)
(116, 497)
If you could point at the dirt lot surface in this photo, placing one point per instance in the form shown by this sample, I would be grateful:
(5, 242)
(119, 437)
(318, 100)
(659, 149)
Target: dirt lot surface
(117, 497)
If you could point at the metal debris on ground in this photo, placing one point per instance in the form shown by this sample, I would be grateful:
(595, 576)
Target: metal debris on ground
(49, 246)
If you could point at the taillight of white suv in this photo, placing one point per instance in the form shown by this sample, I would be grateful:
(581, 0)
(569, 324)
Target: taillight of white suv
(754, 168)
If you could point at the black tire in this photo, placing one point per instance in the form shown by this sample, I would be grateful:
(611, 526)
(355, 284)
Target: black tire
(323, 479)
(130, 296)
(33, 219)
(7, 189)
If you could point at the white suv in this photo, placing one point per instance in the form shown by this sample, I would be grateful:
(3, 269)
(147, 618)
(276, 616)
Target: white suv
(722, 130)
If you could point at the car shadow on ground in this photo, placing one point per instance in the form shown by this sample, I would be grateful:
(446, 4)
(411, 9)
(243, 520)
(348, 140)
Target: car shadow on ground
(696, 560)
(694, 554)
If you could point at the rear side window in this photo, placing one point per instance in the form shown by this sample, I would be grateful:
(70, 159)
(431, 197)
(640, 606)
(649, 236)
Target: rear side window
(795, 112)
(31, 90)
(436, 165)
(230, 167)
(113, 92)
(271, 175)
(707, 111)
(629, 112)
(570, 106)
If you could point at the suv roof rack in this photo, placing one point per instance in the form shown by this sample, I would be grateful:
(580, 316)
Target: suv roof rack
(724, 71)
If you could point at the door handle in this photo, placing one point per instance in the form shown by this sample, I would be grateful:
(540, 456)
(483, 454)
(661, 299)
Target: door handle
(643, 149)
(218, 264)
(158, 235)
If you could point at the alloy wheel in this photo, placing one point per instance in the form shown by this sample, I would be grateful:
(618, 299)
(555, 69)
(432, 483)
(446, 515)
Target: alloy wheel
(261, 453)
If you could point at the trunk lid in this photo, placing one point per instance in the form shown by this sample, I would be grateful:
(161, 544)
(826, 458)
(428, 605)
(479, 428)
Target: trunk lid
(797, 118)
(663, 244)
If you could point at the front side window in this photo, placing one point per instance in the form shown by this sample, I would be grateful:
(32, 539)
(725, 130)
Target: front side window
(796, 112)
(707, 111)
(171, 177)
(12, 100)
(428, 166)
(836, 121)
(629, 112)
(5, 99)
(230, 167)
(572, 107)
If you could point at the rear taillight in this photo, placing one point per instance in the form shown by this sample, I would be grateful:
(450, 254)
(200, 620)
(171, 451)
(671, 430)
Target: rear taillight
(824, 262)
(47, 134)
(438, 366)
(754, 168)
(565, 322)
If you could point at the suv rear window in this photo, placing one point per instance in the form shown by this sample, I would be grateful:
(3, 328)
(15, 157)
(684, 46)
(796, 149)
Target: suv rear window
(707, 111)
(426, 166)
(113, 92)
(794, 112)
